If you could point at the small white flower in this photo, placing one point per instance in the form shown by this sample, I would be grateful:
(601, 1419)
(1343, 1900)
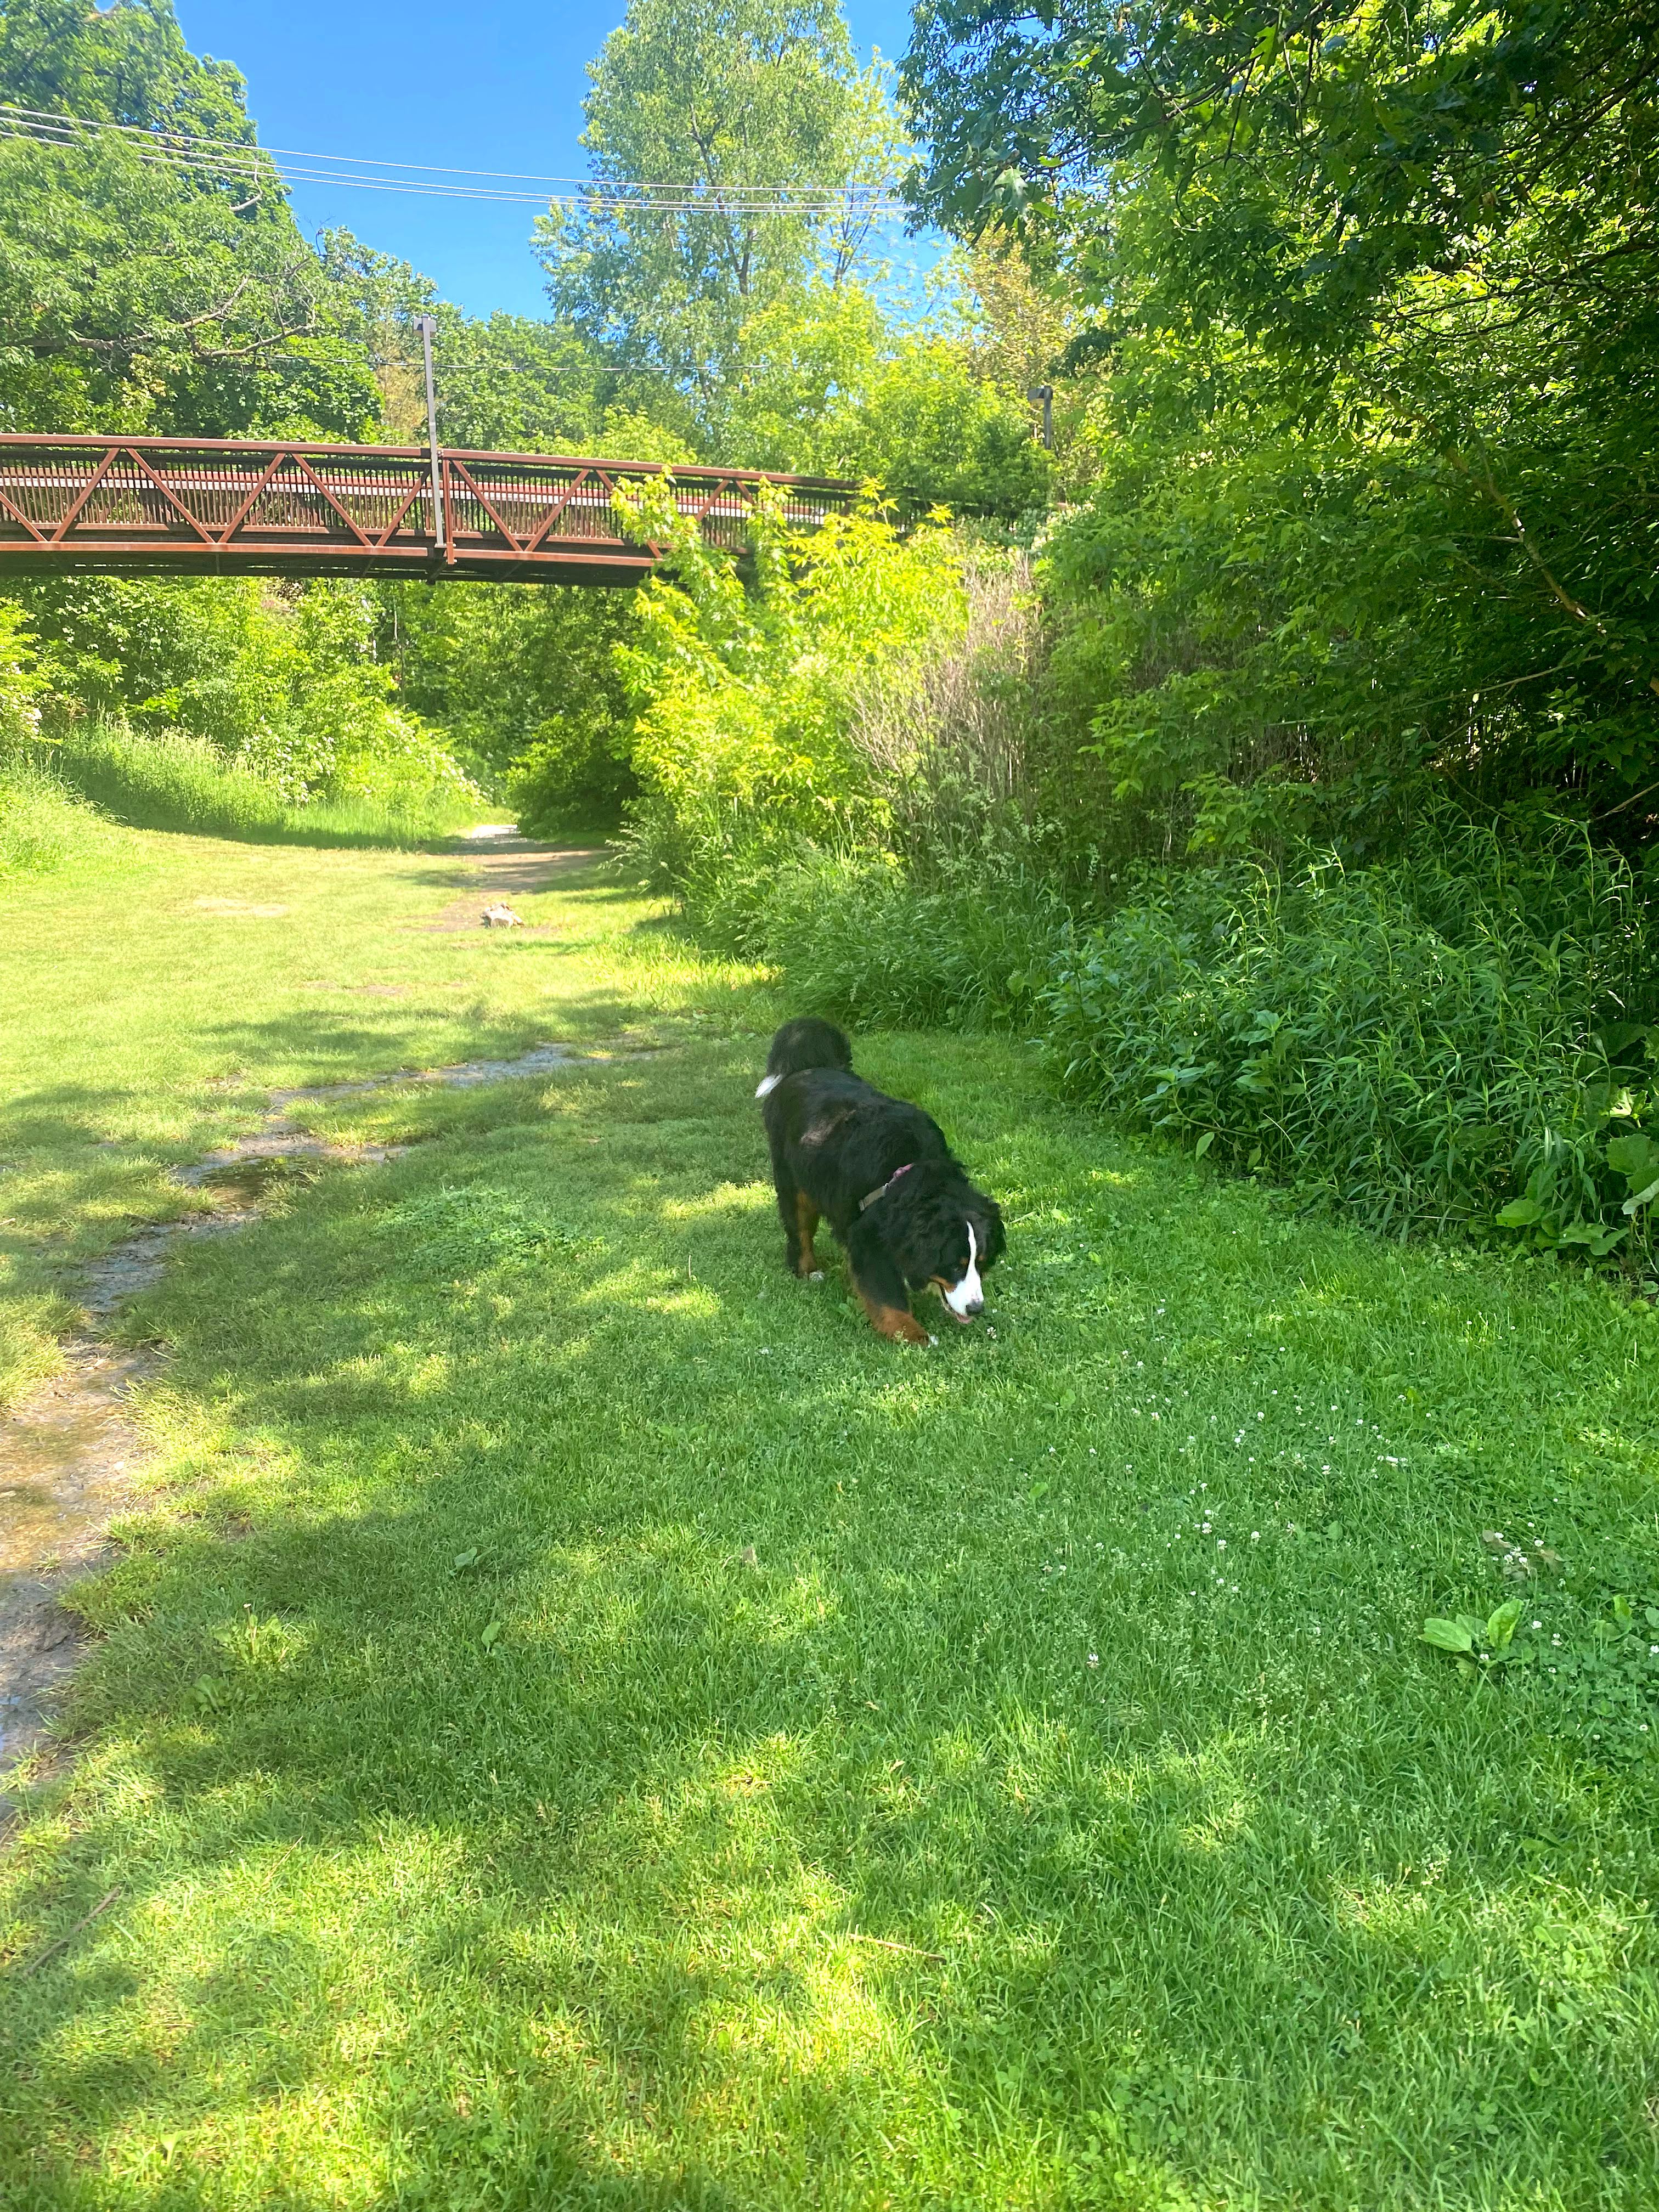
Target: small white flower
(1094, 1658)
(1256, 1536)
(1221, 1543)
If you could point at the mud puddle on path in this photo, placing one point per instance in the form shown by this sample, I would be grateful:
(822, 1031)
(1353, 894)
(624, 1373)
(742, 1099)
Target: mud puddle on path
(70, 1452)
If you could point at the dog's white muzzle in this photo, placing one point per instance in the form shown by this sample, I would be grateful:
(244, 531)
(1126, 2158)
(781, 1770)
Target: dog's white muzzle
(968, 1298)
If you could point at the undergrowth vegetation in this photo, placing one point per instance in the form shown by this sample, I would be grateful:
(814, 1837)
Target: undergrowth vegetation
(1408, 1041)
(1447, 1022)
(173, 781)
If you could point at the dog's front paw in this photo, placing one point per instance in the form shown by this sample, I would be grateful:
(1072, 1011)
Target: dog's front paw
(817, 1276)
(932, 1339)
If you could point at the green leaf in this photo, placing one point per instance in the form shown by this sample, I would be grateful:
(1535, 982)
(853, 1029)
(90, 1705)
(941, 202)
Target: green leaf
(1203, 1144)
(1447, 1636)
(1642, 1197)
(1500, 1629)
(491, 1635)
(1636, 1156)
(1520, 1213)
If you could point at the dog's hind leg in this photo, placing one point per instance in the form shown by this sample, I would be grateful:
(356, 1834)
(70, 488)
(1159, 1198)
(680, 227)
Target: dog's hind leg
(802, 1257)
(800, 1218)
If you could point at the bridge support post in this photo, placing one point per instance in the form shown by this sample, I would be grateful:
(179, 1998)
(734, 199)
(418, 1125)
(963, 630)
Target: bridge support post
(425, 325)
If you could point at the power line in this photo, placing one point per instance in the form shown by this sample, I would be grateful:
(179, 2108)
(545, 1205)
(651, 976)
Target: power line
(239, 161)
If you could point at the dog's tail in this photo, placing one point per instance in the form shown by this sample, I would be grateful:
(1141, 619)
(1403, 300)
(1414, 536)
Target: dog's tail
(807, 1042)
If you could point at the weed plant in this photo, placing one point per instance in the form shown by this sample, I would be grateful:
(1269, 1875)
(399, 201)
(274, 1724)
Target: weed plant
(1405, 1041)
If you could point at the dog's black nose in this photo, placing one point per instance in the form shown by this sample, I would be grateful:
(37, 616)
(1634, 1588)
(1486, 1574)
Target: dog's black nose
(975, 1310)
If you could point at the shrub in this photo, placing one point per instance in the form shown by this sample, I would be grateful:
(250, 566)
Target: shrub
(282, 680)
(1407, 1042)
(521, 678)
(574, 771)
(743, 694)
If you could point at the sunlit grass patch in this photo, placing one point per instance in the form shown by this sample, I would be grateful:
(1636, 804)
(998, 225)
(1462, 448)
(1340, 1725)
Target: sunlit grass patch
(584, 1715)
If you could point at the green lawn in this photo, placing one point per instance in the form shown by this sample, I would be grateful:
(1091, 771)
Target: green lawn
(153, 994)
(587, 1724)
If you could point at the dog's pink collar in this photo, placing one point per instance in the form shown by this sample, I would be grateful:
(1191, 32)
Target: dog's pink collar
(865, 1204)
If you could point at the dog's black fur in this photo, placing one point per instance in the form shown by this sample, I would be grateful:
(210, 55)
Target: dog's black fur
(835, 1140)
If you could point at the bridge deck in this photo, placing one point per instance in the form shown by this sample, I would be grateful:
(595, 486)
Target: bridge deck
(232, 507)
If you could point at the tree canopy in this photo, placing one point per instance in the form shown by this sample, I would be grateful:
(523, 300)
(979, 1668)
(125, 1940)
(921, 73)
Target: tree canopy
(138, 288)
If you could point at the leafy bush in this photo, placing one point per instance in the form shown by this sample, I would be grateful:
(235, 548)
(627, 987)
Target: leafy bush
(284, 682)
(522, 680)
(744, 696)
(574, 772)
(1407, 1042)
(19, 687)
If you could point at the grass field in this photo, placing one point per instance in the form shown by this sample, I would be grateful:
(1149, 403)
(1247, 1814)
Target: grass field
(586, 1724)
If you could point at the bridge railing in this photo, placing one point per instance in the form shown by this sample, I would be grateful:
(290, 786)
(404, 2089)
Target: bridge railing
(197, 505)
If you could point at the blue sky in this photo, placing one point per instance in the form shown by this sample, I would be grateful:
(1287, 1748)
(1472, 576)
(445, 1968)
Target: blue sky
(481, 84)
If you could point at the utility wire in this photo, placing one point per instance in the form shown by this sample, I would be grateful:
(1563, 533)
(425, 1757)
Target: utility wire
(237, 161)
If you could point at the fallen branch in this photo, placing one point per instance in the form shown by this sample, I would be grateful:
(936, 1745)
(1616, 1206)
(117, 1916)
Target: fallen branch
(85, 1921)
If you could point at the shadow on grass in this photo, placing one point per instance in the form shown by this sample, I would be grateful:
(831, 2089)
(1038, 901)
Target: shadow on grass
(602, 1728)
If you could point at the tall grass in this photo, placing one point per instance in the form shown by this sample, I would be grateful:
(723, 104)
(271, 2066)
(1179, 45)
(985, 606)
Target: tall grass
(180, 783)
(862, 938)
(1407, 1041)
(41, 823)
(1415, 1044)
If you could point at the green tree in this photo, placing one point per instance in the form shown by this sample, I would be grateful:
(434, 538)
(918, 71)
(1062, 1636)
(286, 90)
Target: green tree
(1373, 320)
(737, 105)
(140, 289)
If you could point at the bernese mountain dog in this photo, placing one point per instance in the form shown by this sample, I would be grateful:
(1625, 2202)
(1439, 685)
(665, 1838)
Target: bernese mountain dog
(878, 1171)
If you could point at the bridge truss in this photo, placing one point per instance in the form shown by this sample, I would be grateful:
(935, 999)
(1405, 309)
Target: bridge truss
(231, 507)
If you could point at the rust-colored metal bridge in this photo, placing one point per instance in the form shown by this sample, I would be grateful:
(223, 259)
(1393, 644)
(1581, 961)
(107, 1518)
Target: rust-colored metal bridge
(221, 506)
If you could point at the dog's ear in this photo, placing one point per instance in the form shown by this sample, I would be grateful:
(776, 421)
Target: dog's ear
(987, 1219)
(906, 1226)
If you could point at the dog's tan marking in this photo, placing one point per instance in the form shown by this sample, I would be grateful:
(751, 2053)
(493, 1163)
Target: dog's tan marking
(893, 1322)
(806, 1222)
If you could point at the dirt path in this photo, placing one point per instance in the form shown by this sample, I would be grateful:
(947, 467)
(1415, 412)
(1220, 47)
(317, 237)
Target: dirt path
(70, 1452)
(507, 866)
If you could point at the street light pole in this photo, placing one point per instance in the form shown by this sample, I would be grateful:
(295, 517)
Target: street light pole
(425, 325)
